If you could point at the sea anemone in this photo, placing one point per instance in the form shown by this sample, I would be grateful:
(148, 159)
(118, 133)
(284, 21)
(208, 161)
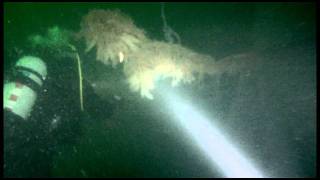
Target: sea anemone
(113, 33)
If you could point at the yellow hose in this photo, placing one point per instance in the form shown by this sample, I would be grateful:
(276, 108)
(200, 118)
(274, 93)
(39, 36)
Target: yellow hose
(80, 75)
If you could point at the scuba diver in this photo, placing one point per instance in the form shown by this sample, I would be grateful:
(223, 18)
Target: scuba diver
(42, 111)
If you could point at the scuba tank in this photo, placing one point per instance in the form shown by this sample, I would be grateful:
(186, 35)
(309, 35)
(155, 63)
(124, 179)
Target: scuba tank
(20, 94)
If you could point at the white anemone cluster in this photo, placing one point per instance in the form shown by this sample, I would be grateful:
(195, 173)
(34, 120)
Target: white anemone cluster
(118, 40)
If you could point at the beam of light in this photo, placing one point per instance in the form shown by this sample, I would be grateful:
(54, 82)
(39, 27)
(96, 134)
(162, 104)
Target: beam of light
(219, 150)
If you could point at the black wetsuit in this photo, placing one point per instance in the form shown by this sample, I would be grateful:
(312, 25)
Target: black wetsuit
(56, 118)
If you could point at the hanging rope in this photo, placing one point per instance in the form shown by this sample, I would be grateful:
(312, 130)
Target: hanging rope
(169, 34)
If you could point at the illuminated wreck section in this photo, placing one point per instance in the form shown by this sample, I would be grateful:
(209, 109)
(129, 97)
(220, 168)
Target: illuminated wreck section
(146, 61)
(118, 40)
(159, 60)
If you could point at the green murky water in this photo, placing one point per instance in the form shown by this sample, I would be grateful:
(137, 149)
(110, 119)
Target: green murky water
(271, 113)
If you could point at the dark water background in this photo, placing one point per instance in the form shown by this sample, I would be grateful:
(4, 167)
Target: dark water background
(271, 113)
